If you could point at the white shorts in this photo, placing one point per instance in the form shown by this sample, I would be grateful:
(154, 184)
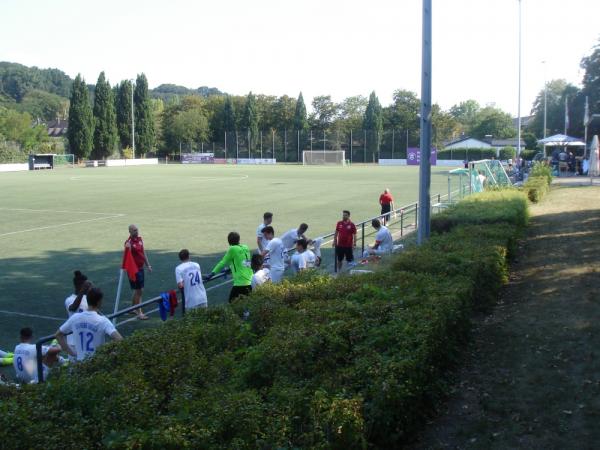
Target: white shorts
(276, 275)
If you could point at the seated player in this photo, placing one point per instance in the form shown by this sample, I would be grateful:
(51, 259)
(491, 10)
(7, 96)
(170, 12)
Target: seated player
(25, 358)
(189, 278)
(261, 274)
(316, 243)
(89, 327)
(290, 237)
(303, 258)
(77, 302)
(384, 243)
(274, 255)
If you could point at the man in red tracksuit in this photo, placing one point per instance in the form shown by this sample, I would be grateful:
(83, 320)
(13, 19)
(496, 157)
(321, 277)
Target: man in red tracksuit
(136, 244)
(344, 240)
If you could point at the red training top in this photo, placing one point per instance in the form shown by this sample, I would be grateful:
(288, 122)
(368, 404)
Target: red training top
(346, 231)
(385, 199)
(137, 251)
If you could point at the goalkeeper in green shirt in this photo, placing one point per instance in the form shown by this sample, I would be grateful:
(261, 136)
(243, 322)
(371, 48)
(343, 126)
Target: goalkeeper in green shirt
(238, 260)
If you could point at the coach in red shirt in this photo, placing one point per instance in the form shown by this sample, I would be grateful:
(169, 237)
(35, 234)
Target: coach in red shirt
(344, 240)
(387, 204)
(136, 244)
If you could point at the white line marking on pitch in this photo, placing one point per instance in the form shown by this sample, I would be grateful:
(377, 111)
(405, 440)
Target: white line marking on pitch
(61, 319)
(60, 211)
(61, 225)
(243, 177)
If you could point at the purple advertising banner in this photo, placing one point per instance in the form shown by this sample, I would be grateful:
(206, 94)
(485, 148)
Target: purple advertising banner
(413, 158)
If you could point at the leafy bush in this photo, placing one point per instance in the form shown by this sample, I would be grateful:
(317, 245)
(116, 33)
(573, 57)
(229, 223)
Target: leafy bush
(315, 362)
(541, 169)
(528, 154)
(507, 153)
(469, 154)
(536, 188)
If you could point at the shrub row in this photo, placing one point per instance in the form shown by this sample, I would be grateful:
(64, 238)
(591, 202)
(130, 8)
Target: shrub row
(538, 183)
(315, 362)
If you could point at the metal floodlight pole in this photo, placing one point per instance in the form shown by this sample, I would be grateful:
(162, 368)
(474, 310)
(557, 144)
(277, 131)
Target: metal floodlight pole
(519, 99)
(545, 104)
(132, 122)
(425, 165)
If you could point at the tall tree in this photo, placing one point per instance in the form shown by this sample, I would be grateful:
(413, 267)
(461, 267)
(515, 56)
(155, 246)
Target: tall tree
(591, 86)
(123, 103)
(403, 115)
(144, 121)
(229, 116)
(250, 120)
(81, 121)
(373, 122)
(283, 113)
(556, 93)
(300, 117)
(105, 130)
(465, 114)
(324, 112)
(352, 112)
(495, 122)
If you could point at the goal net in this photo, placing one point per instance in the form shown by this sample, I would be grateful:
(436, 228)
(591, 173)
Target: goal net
(323, 157)
(488, 173)
(59, 161)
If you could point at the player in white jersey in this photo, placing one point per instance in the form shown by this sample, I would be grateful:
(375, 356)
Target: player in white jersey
(189, 278)
(89, 327)
(384, 242)
(303, 258)
(290, 237)
(262, 274)
(275, 255)
(25, 358)
(261, 241)
(77, 302)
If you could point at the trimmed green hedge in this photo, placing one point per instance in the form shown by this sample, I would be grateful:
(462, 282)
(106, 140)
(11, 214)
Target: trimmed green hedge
(315, 362)
(484, 208)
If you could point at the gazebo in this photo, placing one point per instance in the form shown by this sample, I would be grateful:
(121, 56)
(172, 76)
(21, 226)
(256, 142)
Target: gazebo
(561, 140)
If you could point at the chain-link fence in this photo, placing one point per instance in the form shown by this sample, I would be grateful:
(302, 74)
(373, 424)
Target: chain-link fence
(360, 146)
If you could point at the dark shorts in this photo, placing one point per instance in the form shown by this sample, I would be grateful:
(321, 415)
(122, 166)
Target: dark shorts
(237, 291)
(347, 252)
(385, 210)
(139, 280)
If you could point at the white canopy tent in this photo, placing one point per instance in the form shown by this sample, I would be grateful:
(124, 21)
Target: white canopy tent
(561, 140)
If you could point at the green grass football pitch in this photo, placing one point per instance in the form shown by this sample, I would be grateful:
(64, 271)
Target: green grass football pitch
(53, 222)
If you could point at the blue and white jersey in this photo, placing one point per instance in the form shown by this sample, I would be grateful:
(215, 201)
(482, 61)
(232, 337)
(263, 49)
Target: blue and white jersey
(89, 331)
(188, 273)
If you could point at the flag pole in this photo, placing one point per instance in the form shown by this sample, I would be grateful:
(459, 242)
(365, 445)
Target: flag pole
(119, 287)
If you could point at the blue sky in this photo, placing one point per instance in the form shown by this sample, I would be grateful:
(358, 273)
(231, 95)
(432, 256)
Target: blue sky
(335, 47)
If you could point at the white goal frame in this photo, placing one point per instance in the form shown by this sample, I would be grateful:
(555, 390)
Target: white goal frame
(323, 157)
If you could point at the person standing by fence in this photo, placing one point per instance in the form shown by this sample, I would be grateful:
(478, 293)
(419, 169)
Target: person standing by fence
(135, 244)
(237, 259)
(344, 240)
(387, 204)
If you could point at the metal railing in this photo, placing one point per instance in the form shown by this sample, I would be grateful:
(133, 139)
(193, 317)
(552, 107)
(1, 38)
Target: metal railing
(401, 215)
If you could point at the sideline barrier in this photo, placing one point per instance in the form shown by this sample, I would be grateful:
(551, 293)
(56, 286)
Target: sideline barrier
(440, 162)
(268, 161)
(40, 342)
(13, 167)
(131, 162)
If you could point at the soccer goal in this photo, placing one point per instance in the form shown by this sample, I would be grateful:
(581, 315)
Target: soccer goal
(323, 157)
(488, 173)
(59, 161)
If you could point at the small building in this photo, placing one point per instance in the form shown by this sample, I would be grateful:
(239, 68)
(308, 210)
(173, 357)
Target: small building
(466, 142)
(57, 128)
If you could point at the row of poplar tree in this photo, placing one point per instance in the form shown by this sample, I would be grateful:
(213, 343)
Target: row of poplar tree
(98, 131)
